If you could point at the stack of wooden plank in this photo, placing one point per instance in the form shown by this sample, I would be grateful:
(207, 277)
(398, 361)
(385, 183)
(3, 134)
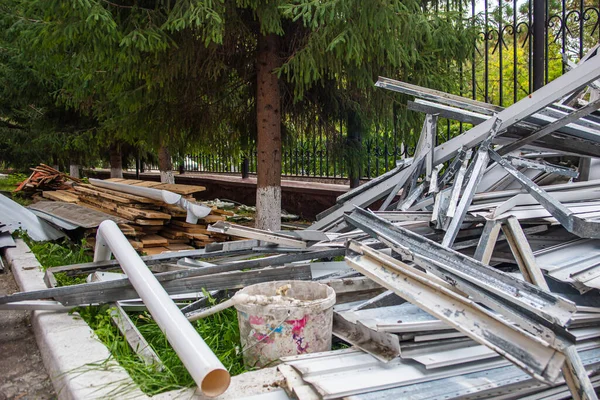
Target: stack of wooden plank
(45, 177)
(155, 227)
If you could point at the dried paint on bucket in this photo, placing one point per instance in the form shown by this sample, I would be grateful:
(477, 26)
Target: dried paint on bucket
(297, 319)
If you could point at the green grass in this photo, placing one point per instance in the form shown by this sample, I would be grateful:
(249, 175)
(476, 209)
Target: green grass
(219, 331)
(11, 182)
(65, 252)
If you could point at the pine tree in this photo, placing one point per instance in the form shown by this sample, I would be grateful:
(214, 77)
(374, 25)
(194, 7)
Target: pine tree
(173, 72)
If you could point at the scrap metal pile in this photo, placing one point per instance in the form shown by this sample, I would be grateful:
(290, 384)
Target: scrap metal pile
(471, 270)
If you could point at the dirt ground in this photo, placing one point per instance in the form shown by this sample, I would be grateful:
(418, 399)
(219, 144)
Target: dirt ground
(22, 373)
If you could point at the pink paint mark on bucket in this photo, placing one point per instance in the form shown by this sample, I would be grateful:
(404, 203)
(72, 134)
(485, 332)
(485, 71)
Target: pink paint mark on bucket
(256, 320)
(261, 337)
(298, 325)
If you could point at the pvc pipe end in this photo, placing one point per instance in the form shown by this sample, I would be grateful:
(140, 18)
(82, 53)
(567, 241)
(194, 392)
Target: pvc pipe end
(215, 383)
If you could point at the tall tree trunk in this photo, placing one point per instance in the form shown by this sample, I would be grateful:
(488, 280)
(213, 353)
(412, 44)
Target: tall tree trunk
(354, 148)
(74, 170)
(268, 119)
(165, 165)
(116, 161)
(55, 163)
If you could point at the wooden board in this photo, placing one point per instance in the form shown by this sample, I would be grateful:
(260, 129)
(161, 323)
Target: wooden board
(177, 241)
(218, 211)
(127, 230)
(149, 222)
(172, 187)
(106, 196)
(114, 180)
(170, 234)
(180, 247)
(139, 199)
(74, 213)
(136, 244)
(149, 184)
(144, 214)
(184, 224)
(211, 219)
(175, 211)
(181, 189)
(65, 196)
(104, 205)
(154, 241)
(196, 236)
(129, 181)
(202, 243)
(151, 251)
(189, 230)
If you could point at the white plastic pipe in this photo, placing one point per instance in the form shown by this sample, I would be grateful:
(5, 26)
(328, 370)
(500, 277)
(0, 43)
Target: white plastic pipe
(202, 364)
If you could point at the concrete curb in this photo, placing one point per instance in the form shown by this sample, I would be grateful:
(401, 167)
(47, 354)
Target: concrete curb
(81, 367)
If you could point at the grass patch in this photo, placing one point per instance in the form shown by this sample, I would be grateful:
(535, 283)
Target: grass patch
(65, 252)
(11, 182)
(220, 332)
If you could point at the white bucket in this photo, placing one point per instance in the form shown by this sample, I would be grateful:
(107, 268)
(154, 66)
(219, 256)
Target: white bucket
(298, 319)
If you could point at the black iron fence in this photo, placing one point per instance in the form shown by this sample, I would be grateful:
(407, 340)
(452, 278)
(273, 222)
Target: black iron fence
(520, 48)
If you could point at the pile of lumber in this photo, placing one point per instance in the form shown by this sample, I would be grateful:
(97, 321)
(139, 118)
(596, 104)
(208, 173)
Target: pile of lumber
(152, 226)
(45, 177)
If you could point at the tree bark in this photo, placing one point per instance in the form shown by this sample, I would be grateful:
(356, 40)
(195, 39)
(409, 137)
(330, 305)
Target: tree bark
(116, 161)
(74, 171)
(165, 165)
(268, 119)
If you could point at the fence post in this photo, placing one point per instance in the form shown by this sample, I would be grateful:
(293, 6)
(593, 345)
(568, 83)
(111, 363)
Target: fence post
(137, 165)
(354, 148)
(539, 34)
(245, 167)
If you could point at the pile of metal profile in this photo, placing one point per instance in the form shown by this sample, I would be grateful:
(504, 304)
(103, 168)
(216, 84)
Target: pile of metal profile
(488, 248)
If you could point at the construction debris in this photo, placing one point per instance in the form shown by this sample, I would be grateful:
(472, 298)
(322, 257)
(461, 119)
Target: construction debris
(154, 219)
(45, 178)
(474, 274)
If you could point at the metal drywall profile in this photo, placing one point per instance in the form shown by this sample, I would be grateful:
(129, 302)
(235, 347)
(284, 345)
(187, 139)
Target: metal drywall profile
(573, 370)
(526, 351)
(543, 166)
(194, 210)
(227, 228)
(489, 285)
(477, 171)
(482, 384)
(583, 146)
(473, 111)
(572, 223)
(512, 115)
(202, 364)
(381, 345)
(527, 199)
(181, 279)
(551, 127)
(136, 340)
(401, 164)
(524, 108)
(16, 217)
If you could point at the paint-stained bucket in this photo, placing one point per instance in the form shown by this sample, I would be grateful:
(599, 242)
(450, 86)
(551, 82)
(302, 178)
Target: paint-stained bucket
(291, 317)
